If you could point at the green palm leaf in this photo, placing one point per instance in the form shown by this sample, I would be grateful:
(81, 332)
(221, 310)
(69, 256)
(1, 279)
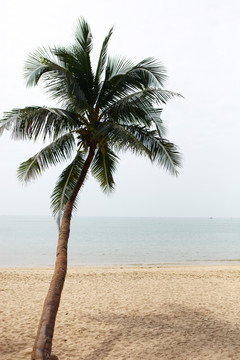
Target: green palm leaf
(56, 67)
(59, 150)
(122, 78)
(120, 138)
(81, 52)
(103, 167)
(146, 99)
(33, 122)
(161, 150)
(74, 83)
(149, 72)
(101, 62)
(161, 129)
(36, 65)
(83, 36)
(65, 185)
(8, 121)
(138, 108)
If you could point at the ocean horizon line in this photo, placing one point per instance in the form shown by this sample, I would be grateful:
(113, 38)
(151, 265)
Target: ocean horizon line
(127, 216)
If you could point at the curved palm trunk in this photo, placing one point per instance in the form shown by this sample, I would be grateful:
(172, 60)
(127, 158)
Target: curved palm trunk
(43, 342)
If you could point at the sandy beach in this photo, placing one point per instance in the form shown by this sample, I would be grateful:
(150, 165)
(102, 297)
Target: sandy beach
(175, 312)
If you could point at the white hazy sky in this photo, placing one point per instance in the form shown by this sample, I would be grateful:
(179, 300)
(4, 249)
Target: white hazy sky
(198, 42)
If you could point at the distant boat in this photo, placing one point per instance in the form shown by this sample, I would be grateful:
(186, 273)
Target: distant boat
(210, 217)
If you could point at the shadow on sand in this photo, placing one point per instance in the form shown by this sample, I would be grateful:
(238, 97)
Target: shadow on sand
(183, 334)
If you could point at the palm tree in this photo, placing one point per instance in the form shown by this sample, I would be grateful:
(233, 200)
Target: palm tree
(116, 108)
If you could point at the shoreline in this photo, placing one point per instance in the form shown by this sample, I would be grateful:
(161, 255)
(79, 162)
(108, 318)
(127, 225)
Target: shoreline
(150, 312)
(196, 263)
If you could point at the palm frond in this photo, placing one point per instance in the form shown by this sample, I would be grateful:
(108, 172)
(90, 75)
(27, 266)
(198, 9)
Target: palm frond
(161, 128)
(123, 78)
(160, 150)
(54, 66)
(36, 65)
(65, 185)
(103, 167)
(56, 152)
(81, 51)
(166, 155)
(102, 62)
(83, 35)
(33, 122)
(77, 82)
(115, 68)
(120, 138)
(8, 121)
(117, 65)
(142, 141)
(137, 106)
(150, 73)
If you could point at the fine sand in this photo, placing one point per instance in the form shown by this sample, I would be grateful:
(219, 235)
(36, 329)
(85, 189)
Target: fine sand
(175, 312)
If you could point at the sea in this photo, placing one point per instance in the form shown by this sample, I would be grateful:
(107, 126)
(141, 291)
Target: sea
(27, 241)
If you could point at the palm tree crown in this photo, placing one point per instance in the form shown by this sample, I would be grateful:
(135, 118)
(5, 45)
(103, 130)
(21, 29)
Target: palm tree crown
(117, 107)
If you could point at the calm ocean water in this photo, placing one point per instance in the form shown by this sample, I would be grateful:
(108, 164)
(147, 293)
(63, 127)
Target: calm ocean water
(31, 241)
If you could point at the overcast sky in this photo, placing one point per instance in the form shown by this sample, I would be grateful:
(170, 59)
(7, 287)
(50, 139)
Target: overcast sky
(198, 42)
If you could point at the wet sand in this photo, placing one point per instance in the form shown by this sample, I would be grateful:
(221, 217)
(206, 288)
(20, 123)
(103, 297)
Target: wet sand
(127, 313)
